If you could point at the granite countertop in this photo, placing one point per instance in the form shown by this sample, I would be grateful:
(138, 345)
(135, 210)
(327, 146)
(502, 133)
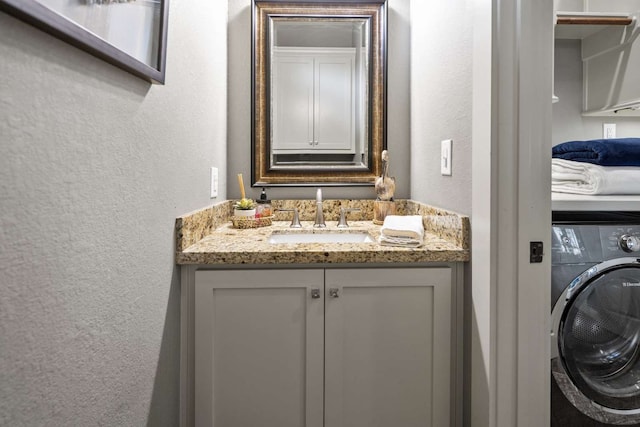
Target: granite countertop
(208, 237)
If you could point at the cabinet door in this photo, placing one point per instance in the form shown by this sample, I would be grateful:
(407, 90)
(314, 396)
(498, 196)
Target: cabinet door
(293, 83)
(259, 348)
(335, 103)
(387, 347)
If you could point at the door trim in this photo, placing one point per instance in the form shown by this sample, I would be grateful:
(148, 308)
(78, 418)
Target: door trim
(511, 207)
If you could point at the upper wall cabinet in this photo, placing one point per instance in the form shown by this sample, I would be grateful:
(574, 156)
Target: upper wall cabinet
(314, 106)
(610, 53)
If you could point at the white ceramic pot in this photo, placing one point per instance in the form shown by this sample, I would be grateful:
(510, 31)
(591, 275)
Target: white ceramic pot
(250, 213)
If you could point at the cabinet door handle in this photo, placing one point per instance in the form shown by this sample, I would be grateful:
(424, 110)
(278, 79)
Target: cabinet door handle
(333, 292)
(315, 293)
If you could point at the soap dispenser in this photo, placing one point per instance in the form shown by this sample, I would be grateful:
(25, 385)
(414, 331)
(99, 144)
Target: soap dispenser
(264, 205)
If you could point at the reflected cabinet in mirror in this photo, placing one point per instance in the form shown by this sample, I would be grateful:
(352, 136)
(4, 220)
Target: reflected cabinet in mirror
(319, 92)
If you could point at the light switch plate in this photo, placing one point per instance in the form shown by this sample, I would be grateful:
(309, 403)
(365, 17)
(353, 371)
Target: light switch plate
(445, 157)
(214, 182)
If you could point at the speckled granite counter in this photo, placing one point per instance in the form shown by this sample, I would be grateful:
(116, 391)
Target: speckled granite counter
(207, 237)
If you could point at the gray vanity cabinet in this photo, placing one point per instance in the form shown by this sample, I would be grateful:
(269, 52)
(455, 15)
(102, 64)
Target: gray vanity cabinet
(323, 347)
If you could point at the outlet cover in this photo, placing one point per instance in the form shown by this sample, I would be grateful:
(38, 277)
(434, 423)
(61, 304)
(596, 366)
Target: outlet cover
(608, 130)
(445, 157)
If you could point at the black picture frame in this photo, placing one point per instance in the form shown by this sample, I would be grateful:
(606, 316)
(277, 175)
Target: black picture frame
(40, 16)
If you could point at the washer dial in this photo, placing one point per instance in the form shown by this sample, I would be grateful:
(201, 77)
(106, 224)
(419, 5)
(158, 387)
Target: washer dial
(630, 243)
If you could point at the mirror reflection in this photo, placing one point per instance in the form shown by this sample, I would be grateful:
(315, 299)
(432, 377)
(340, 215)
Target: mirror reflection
(318, 91)
(318, 106)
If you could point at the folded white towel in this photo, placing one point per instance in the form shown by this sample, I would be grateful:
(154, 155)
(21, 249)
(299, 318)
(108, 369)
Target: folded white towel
(398, 230)
(585, 178)
(405, 242)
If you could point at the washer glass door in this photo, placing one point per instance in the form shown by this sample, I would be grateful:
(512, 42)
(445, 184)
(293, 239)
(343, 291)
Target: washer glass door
(600, 339)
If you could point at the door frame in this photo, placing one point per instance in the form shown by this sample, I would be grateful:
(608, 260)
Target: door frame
(511, 206)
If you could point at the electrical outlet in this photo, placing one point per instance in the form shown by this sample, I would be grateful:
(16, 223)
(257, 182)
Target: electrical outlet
(445, 157)
(608, 130)
(214, 182)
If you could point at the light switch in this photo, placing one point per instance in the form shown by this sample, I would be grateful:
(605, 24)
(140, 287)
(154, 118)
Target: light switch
(214, 182)
(445, 157)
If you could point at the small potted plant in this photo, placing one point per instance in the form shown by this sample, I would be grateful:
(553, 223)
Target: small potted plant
(244, 208)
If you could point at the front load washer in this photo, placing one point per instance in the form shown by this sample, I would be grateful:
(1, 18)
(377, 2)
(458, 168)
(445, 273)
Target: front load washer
(595, 319)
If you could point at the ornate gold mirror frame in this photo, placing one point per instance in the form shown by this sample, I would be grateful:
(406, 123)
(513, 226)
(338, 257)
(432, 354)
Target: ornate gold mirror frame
(264, 12)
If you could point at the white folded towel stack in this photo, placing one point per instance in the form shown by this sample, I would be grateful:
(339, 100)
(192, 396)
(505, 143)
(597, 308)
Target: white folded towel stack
(585, 178)
(406, 231)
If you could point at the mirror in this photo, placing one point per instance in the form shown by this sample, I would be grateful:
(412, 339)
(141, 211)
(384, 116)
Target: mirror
(319, 90)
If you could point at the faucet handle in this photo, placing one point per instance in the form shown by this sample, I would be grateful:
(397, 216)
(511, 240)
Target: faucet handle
(295, 221)
(343, 216)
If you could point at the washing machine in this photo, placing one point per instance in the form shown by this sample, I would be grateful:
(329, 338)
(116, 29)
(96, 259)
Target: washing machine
(595, 319)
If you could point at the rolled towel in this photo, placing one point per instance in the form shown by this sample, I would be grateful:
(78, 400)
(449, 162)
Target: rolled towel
(399, 230)
(584, 178)
(603, 152)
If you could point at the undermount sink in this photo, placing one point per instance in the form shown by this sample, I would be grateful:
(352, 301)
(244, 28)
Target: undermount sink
(326, 237)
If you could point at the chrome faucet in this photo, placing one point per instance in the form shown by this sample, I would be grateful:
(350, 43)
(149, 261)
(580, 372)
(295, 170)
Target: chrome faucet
(295, 221)
(343, 216)
(319, 223)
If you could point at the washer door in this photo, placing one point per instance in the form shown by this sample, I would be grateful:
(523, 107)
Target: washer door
(598, 336)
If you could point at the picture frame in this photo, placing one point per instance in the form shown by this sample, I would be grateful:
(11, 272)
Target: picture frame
(129, 34)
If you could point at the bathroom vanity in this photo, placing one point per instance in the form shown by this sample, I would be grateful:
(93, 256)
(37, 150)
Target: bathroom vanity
(321, 332)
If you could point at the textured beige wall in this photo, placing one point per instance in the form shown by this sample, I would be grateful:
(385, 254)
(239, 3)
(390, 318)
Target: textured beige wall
(441, 95)
(95, 165)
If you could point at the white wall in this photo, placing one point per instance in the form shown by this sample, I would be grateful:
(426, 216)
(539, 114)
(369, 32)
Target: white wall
(568, 123)
(239, 149)
(95, 165)
(441, 93)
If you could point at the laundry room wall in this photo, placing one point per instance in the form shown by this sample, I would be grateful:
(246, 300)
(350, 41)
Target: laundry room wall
(568, 122)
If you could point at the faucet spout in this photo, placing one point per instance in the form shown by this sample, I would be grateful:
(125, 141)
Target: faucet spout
(319, 223)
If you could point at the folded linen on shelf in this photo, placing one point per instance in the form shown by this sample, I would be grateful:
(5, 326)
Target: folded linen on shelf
(603, 152)
(584, 178)
(402, 230)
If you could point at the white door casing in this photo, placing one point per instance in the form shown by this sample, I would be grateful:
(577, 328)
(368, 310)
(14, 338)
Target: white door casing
(511, 207)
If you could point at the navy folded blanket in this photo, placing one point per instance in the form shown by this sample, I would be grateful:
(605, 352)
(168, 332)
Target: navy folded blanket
(603, 152)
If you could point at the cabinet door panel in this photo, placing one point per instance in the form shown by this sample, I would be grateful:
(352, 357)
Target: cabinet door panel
(387, 347)
(259, 338)
(293, 104)
(335, 103)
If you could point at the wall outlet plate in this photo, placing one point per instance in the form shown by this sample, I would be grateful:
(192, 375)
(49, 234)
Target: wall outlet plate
(608, 130)
(445, 157)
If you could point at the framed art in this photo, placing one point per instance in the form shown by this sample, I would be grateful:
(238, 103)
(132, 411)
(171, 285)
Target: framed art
(130, 34)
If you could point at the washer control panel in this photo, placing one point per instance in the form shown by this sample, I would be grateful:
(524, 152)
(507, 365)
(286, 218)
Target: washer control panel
(587, 243)
(620, 240)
